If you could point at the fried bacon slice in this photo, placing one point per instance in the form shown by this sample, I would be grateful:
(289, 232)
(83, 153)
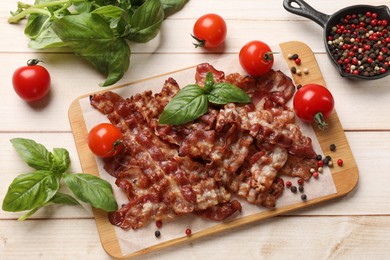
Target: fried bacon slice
(240, 150)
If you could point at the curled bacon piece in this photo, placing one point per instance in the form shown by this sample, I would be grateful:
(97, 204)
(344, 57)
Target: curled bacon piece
(240, 150)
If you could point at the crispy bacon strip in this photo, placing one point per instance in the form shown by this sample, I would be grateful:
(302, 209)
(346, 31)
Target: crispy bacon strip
(176, 182)
(243, 150)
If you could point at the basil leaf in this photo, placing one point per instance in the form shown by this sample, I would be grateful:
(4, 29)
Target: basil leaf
(61, 160)
(62, 198)
(34, 154)
(46, 39)
(90, 36)
(172, 6)
(36, 23)
(189, 104)
(146, 21)
(222, 93)
(109, 11)
(31, 190)
(209, 82)
(93, 190)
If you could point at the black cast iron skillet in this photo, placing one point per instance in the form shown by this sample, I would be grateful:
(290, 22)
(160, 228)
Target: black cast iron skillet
(301, 8)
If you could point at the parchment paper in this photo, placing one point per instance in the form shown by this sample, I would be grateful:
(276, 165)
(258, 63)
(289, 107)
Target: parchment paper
(132, 241)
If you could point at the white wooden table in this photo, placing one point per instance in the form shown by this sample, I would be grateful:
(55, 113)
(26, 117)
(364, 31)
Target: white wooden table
(356, 226)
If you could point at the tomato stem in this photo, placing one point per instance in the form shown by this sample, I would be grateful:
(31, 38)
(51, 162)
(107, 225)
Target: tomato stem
(268, 56)
(33, 62)
(319, 119)
(200, 43)
(116, 144)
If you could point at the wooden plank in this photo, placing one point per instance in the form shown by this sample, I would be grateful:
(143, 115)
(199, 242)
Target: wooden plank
(345, 177)
(342, 237)
(369, 149)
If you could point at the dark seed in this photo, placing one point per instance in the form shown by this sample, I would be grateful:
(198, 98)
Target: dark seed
(301, 189)
(332, 147)
(295, 56)
(293, 189)
(157, 233)
(303, 197)
(293, 70)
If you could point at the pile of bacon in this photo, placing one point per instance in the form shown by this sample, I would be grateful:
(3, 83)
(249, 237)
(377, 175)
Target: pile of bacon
(233, 151)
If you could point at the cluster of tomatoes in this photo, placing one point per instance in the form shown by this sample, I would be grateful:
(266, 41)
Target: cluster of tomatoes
(312, 102)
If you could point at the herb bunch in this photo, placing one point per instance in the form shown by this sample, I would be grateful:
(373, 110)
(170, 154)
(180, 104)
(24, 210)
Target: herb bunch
(97, 30)
(32, 191)
(193, 100)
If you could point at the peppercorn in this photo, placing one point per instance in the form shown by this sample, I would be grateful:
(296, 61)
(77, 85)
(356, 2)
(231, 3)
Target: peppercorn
(319, 157)
(360, 42)
(300, 188)
(294, 189)
(332, 147)
(157, 233)
(303, 197)
(340, 162)
(301, 181)
(294, 56)
(188, 232)
(293, 70)
(315, 175)
(159, 223)
(288, 184)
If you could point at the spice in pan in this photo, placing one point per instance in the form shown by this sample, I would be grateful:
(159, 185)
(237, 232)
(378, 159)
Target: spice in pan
(360, 43)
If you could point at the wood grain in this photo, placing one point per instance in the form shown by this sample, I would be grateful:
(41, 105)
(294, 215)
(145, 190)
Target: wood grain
(345, 177)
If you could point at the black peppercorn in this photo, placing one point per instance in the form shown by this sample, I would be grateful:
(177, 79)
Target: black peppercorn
(293, 189)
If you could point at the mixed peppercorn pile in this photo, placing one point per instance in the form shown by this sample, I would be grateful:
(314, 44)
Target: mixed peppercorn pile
(360, 43)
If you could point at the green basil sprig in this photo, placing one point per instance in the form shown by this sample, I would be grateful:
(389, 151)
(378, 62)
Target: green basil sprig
(97, 30)
(32, 191)
(192, 101)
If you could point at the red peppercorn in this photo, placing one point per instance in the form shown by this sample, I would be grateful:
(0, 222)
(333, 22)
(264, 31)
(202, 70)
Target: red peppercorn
(315, 175)
(298, 61)
(320, 163)
(288, 184)
(301, 181)
(340, 162)
(188, 232)
(159, 223)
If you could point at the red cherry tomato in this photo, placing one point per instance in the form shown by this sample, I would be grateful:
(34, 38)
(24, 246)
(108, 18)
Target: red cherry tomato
(256, 58)
(31, 82)
(105, 140)
(210, 31)
(313, 103)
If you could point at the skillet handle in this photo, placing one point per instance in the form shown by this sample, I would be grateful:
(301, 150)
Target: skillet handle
(307, 11)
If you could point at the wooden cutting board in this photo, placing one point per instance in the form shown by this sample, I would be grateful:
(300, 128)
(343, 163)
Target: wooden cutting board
(345, 178)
